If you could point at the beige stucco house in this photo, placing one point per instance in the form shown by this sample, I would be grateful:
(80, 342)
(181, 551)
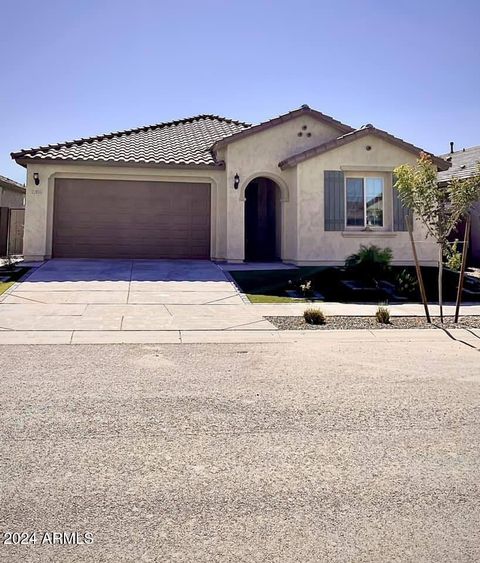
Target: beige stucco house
(303, 188)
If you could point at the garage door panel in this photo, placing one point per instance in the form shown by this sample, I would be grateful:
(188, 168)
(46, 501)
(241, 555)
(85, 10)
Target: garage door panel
(108, 219)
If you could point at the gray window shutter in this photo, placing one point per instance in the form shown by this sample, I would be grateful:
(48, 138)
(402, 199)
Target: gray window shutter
(334, 200)
(399, 211)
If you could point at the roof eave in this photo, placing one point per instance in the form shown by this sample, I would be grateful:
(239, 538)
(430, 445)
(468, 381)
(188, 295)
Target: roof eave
(454, 177)
(20, 161)
(348, 138)
(13, 187)
(164, 165)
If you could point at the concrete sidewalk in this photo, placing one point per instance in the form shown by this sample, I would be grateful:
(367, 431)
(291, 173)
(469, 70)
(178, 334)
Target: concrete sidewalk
(469, 337)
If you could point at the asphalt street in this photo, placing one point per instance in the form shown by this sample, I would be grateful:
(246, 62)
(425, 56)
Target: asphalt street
(341, 451)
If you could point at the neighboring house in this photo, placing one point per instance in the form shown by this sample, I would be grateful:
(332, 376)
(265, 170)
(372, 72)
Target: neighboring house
(12, 194)
(12, 202)
(464, 165)
(302, 187)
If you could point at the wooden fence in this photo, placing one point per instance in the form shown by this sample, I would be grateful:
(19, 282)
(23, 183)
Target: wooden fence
(11, 231)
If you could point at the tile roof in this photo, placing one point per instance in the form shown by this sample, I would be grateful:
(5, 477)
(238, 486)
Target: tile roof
(192, 142)
(186, 142)
(11, 184)
(464, 164)
(352, 136)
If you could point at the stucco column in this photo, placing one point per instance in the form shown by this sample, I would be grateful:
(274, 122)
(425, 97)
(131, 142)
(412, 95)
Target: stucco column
(36, 215)
(235, 224)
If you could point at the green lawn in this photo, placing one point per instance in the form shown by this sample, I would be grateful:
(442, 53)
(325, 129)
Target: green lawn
(269, 286)
(5, 285)
(259, 298)
(14, 276)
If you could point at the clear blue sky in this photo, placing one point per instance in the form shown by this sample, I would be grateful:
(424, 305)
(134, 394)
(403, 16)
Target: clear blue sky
(78, 68)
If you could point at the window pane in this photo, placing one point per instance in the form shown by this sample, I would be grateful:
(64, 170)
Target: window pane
(355, 211)
(374, 202)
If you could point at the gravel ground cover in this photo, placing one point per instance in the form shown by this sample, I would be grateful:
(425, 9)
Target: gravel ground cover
(369, 323)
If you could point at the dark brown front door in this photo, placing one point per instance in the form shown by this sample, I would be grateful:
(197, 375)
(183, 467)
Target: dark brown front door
(260, 220)
(123, 219)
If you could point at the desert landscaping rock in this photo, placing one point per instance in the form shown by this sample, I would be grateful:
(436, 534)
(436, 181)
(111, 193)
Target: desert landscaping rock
(371, 323)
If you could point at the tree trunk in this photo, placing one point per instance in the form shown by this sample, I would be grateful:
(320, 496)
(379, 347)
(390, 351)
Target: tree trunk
(440, 280)
(466, 240)
(409, 222)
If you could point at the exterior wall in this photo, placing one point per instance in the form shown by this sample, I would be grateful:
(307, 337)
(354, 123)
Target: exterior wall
(475, 235)
(259, 155)
(39, 204)
(303, 239)
(332, 247)
(11, 198)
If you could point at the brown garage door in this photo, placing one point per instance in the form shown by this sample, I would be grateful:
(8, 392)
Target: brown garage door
(120, 219)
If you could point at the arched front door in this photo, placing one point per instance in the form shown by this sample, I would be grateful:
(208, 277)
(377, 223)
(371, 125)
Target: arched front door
(262, 220)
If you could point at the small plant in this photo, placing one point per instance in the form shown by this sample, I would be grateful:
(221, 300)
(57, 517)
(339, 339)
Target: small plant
(8, 263)
(406, 283)
(383, 315)
(370, 262)
(314, 316)
(306, 289)
(453, 258)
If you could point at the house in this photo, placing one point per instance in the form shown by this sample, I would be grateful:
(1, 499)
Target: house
(302, 187)
(12, 194)
(464, 164)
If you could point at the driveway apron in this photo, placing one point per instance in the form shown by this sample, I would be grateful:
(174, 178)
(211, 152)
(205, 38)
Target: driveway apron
(127, 295)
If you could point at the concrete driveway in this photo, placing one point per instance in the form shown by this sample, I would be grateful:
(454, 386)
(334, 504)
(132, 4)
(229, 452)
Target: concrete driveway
(104, 296)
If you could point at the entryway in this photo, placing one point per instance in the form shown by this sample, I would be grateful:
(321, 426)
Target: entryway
(262, 221)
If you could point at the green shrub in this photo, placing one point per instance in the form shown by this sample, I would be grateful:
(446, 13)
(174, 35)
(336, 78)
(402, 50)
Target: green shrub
(370, 262)
(383, 315)
(314, 316)
(453, 258)
(406, 283)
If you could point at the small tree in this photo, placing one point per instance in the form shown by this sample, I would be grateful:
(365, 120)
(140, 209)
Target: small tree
(440, 208)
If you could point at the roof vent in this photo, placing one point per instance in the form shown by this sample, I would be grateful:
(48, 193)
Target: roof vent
(451, 147)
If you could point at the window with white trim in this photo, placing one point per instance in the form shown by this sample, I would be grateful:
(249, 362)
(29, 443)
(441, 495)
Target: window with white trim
(364, 202)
